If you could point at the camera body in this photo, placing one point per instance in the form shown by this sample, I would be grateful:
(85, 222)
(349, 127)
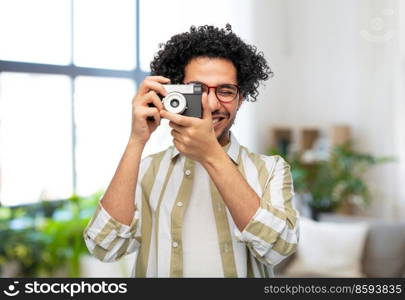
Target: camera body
(184, 99)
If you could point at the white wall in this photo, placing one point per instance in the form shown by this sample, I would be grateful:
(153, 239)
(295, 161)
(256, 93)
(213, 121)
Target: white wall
(335, 62)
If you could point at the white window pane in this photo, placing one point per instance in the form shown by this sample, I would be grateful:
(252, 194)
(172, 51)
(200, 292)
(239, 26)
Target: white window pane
(35, 31)
(103, 123)
(176, 16)
(160, 139)
(104, 34)
(35, 138)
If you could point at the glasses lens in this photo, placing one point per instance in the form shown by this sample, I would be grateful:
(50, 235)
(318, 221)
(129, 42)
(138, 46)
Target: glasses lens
(224, 92)
(227, 92)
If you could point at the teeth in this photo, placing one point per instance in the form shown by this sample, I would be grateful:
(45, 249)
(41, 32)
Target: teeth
(215, 121)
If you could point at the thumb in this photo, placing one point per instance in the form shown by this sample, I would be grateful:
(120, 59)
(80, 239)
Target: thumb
(206, 109)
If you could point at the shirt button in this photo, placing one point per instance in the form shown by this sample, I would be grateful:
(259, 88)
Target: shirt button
(188, 172)
(179, 204)
(175, 244)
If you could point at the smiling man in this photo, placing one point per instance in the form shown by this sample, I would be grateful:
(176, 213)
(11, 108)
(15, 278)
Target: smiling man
(206, 206)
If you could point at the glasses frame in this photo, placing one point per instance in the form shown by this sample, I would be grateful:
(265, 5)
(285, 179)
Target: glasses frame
(216, 89)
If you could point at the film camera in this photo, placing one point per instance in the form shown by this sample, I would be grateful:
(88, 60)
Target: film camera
(184, 99)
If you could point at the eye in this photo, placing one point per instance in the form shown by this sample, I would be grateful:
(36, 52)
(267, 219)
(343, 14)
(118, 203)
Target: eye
(227, 90)
(226, 93)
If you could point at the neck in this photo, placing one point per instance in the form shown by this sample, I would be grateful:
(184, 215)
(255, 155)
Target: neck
(224, 139)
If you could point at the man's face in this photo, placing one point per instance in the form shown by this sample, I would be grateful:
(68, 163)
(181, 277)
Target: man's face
(214, 72)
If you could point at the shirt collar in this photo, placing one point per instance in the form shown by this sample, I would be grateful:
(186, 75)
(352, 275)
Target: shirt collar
(232, 149)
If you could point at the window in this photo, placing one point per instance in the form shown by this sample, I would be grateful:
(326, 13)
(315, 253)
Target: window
(103, 123)
(36, 31)
(36, 137)
(68, 73)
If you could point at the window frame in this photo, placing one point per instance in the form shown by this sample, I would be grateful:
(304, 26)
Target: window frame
(72, 71)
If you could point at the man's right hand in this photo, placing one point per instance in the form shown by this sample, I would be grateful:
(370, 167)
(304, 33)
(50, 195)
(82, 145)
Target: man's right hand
(119, 198)
(146, 117)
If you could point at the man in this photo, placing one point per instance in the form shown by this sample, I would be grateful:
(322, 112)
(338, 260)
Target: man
(206, 207)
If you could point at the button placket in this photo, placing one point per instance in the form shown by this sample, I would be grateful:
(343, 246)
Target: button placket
(188, 168)
(177, 216)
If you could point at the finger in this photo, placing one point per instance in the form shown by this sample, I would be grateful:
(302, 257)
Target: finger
(206, 109)
(154, 83)
(176, 127)
(152, 98)
(176, 118)
(152, 112)
(175, 134)
(178, 144)
(156, 117)
(158, 78)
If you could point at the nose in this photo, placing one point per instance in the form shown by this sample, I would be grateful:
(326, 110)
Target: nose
(213, 101)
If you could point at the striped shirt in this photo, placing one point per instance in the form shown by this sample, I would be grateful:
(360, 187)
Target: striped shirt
(168, 184)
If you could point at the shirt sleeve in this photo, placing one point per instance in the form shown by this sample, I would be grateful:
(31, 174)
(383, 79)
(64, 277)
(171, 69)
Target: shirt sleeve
(272, 234)
(109, 240)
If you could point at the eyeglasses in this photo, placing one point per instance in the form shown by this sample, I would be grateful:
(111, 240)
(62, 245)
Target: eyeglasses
(224, 92)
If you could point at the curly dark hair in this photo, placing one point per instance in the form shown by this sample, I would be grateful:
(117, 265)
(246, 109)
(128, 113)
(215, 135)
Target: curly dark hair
(210, 41)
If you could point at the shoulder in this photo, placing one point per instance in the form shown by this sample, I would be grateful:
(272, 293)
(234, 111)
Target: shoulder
(154, 160)
(159, 155)
(267, 163)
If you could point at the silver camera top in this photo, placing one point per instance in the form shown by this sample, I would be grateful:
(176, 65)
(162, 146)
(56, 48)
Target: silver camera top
(180, 88)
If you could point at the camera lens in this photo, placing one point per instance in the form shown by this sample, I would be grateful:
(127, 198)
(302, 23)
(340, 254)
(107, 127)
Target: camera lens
(174, 103)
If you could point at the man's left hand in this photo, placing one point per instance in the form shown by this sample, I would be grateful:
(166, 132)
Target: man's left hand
(193, 137)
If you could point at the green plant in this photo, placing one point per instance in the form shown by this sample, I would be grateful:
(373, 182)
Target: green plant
(330, 184)
(51, 237)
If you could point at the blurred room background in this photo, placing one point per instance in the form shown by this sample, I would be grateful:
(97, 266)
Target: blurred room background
(334, 109)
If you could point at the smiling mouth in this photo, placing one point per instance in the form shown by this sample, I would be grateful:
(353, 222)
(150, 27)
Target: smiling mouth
(216, 121)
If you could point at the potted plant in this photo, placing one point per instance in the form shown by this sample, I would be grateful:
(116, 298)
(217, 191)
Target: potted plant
(49, 239)
(334, 184)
